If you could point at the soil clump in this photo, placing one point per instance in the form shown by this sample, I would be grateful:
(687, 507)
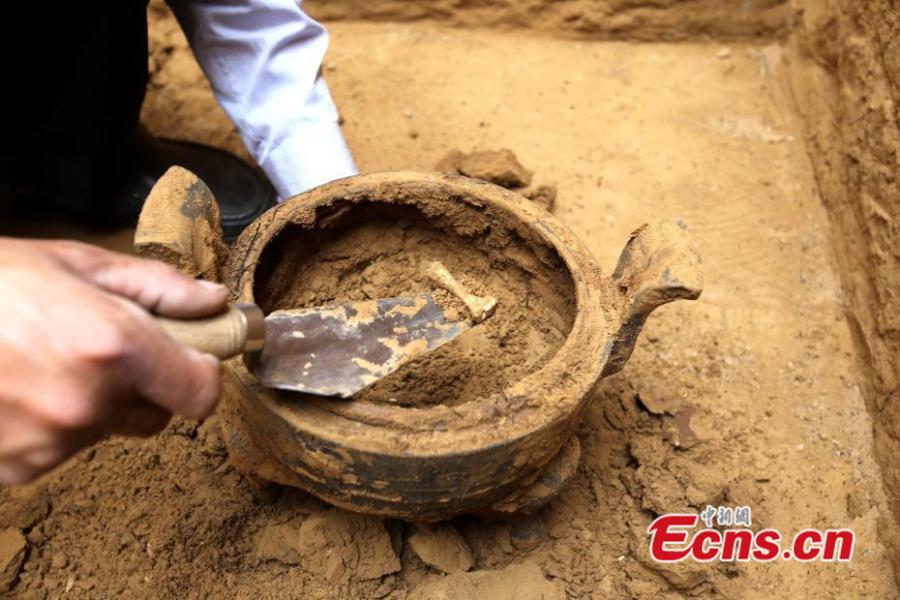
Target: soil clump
(500, 167)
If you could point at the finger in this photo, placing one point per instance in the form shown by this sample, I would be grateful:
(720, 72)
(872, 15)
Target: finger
(156, 286)
(126, 358)
(140, 420)
(16, 472)
(65, 445)
(19, 433)
(164, 372)
(43, 450)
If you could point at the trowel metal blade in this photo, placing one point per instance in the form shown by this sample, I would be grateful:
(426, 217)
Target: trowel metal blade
(341, 349)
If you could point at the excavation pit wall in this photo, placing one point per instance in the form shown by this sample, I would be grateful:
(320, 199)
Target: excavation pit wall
(665, 20)
(844, 76)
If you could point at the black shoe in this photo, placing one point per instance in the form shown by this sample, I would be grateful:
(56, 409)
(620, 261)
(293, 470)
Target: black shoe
(242, 191)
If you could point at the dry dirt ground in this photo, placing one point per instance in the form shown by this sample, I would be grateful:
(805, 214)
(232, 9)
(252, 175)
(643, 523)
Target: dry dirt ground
(761, 367)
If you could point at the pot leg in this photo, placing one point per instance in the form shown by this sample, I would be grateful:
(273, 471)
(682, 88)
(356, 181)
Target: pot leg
(659, 264)
(553, 478)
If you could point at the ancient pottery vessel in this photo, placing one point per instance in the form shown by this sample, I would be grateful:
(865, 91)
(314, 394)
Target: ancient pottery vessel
(496, 434)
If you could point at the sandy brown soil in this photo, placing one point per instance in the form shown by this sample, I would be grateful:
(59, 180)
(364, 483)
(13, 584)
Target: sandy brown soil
(762, 368)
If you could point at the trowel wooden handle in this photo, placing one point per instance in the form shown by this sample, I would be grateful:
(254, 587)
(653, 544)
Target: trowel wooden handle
(242, 328)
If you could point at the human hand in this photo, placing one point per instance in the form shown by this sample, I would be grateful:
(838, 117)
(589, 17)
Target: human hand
(78, 364)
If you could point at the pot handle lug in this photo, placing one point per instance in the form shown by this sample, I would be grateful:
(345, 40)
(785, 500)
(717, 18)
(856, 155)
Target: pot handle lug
(659, 264)
(180, 225)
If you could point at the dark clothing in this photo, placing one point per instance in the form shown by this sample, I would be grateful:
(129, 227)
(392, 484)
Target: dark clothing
(77, 72)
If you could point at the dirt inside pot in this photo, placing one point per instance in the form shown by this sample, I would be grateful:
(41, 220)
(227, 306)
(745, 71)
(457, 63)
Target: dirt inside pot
(378, 250)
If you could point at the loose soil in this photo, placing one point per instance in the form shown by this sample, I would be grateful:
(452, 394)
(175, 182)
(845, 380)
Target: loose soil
(750, 396)
(385, 251)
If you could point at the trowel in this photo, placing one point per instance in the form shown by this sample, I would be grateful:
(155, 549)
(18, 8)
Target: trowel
(334, 350)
